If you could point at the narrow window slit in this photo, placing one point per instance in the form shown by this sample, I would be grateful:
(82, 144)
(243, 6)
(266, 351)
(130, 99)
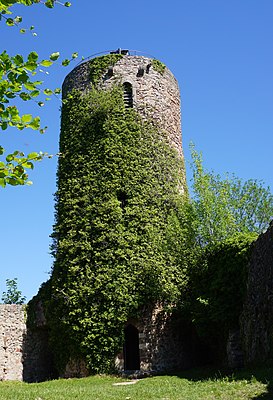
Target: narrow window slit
(128, 95)
(122, 198)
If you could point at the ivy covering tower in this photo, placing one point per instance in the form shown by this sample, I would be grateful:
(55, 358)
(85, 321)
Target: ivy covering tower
(121, 183)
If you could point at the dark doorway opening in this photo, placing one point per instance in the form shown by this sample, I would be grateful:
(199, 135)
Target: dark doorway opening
(131, 348)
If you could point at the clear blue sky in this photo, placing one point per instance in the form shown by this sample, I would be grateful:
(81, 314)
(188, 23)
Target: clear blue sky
(221, 53)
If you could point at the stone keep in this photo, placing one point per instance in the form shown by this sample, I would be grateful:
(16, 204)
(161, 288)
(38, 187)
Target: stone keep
(130, 234)
(150, 88)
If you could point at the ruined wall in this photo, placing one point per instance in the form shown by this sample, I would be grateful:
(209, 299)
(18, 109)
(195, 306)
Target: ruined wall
(165, 342)
(12, 336)
(257, 316)
(24, 353)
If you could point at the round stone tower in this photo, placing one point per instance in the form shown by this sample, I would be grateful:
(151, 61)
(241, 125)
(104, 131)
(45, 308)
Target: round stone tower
(121, 181)
(149, 87)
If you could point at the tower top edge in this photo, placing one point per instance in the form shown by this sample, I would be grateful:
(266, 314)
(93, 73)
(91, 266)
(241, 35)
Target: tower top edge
(124, 52)
(132, 57)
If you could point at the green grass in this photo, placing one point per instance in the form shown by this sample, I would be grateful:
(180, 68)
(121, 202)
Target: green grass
(187, 386)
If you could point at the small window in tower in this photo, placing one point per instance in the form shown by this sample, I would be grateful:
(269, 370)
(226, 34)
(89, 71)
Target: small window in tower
(128, 95)
(122, 198)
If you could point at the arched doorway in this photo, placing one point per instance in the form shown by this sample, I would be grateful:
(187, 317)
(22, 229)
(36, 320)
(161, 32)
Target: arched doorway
(131, 348)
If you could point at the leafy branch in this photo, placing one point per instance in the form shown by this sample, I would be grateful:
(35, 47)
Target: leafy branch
(18, 81)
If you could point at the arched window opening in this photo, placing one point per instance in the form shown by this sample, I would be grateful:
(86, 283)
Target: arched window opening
(131, 348)
(128, 95)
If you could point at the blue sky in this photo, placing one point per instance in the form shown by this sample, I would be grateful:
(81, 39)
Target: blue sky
(221, 53)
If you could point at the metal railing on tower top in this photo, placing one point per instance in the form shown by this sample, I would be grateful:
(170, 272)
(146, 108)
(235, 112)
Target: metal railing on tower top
(118, 51)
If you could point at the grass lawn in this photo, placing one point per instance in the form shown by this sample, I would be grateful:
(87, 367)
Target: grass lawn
(191, 385)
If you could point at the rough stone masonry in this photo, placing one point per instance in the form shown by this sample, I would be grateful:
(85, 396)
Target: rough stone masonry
(12, 337)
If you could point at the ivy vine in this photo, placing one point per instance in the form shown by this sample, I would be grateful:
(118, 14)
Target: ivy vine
(217, 288)
(158, 66)
(117, 202)
(99, 65)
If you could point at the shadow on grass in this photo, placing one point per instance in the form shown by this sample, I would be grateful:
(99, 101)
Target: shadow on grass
(263, 375)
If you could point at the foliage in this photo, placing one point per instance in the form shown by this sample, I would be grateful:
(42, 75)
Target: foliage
(191, 385)
(118, 193)
(12, 295)
(18, 81)
(99, 65)
(158, 66)
(218, 286)
(223, 207)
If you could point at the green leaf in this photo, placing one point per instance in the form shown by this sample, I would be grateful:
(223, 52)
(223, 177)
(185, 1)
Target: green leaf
(4, 125)
(9, 157)
(24, 96)
(18, 171)
(33, 56)
(2, 150)
(28, 164)
(49, 3)
(18, 59)
(35, 93)
(41, 104)
(54, 56)
(2, 182)
(10, 95)
(23, 77)
(26, 118)
(48, 92)
(46, 63)
(35, 123)
(75, 55)
(67, 4)
(12, 181)
(32, 156)
(22, 31)
(29, 86)
(15, 118)
(57, 91)
(65, 62)
(30, 66)
(9, 21)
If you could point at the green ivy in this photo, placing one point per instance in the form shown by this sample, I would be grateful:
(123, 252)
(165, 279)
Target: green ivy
(117, 206)
(99, 65)
(158, 66)
(218, 287)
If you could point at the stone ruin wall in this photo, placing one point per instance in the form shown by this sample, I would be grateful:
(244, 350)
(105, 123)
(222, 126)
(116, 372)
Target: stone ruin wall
(257, 316)
(12, 336)
(164, 343)
(24, 354)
